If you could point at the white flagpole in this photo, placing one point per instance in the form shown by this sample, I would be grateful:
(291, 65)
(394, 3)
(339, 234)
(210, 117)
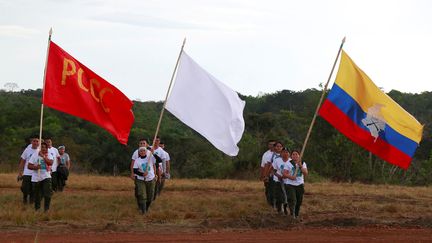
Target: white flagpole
(43, 93)
(166, 97)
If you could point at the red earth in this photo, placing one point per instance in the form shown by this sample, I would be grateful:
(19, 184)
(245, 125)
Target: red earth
(352, 234)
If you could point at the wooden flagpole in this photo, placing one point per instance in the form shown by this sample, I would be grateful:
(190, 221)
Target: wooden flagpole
(321, 100)
(168, 91)
(43, 87)
(43, 93)
(166, 97)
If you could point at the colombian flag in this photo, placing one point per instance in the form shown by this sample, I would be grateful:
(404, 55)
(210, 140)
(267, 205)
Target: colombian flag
(361, 111)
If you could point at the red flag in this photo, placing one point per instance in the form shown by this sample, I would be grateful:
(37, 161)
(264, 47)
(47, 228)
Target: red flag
(72, 88)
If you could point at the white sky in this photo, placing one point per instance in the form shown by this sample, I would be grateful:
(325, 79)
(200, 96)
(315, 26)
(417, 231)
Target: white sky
(253, 46)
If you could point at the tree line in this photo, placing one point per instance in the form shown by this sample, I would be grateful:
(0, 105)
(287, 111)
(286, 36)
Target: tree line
(284, 115)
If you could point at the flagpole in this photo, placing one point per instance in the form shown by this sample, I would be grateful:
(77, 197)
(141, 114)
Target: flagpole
(166, 97)
(43, 87)
(43, 93)
(169, 88)
(321, 100)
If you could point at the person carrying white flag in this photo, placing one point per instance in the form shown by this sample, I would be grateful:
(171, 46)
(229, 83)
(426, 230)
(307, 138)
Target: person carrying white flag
(207, 105)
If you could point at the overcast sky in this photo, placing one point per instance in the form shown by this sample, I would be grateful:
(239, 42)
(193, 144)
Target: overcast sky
(253, 46)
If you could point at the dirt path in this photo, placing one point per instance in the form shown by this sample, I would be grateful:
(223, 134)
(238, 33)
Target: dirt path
(303, 235)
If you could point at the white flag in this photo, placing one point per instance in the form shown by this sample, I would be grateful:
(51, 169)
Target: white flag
(207, 105)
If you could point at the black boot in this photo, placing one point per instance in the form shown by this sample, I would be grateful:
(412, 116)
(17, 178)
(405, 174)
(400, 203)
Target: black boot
(148, 205)
(47, 201)
(142, 208)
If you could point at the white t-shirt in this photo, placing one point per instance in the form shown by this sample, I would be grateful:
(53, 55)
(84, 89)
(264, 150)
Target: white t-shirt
(135, 155)
(299, 179)
(55, 154)
(280, 166)
(44, 171)
(26, 155)
(267, 156)
(141, 164)
(164, 162)
(273, 159)
(64, 158)
(162, 154)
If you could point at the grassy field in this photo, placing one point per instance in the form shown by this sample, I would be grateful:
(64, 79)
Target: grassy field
(99, 202)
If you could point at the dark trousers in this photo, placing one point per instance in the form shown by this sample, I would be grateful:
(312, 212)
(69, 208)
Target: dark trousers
(62, 176)
(280, 195)
(61, 182)
(144, 192)
(295, 198)
(156, 190)
(267, 193)
(161, 185)
(54, 180)
(42, 189)
(270, 192)
(27, 189)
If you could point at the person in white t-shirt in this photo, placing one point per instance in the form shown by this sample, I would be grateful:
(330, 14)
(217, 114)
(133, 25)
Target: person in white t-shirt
(40, 163)
(144, 171)
(56, 156)
(161, 158)
(142, 143)
(24, 173)
(295, 174)
(64, 165)
(281, 163)
(266, 159)
(165, 168)
(270, 170)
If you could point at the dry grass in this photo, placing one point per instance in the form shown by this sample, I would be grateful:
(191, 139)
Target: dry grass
(95, 202)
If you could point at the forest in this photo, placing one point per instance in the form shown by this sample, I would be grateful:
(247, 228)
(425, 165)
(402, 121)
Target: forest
(284, 115)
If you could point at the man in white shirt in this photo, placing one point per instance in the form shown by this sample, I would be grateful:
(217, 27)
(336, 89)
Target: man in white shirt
(166, 166)
(160, 156)
(266, 159)
(40, 163)
(270, 170)
(24, 173)
(56, 156)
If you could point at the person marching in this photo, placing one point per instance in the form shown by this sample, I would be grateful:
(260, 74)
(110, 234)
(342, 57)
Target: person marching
(56, 156)
(295, 174)
(144, 171)
(270, 170)
(41, 178)
(24, 173)
(281, 163)
(266, 159)
(166, 166)
(142, 143)
(160, 156)
(63, 168)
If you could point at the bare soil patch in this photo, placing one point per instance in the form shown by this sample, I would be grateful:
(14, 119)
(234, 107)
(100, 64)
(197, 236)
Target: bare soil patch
(298, 235)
